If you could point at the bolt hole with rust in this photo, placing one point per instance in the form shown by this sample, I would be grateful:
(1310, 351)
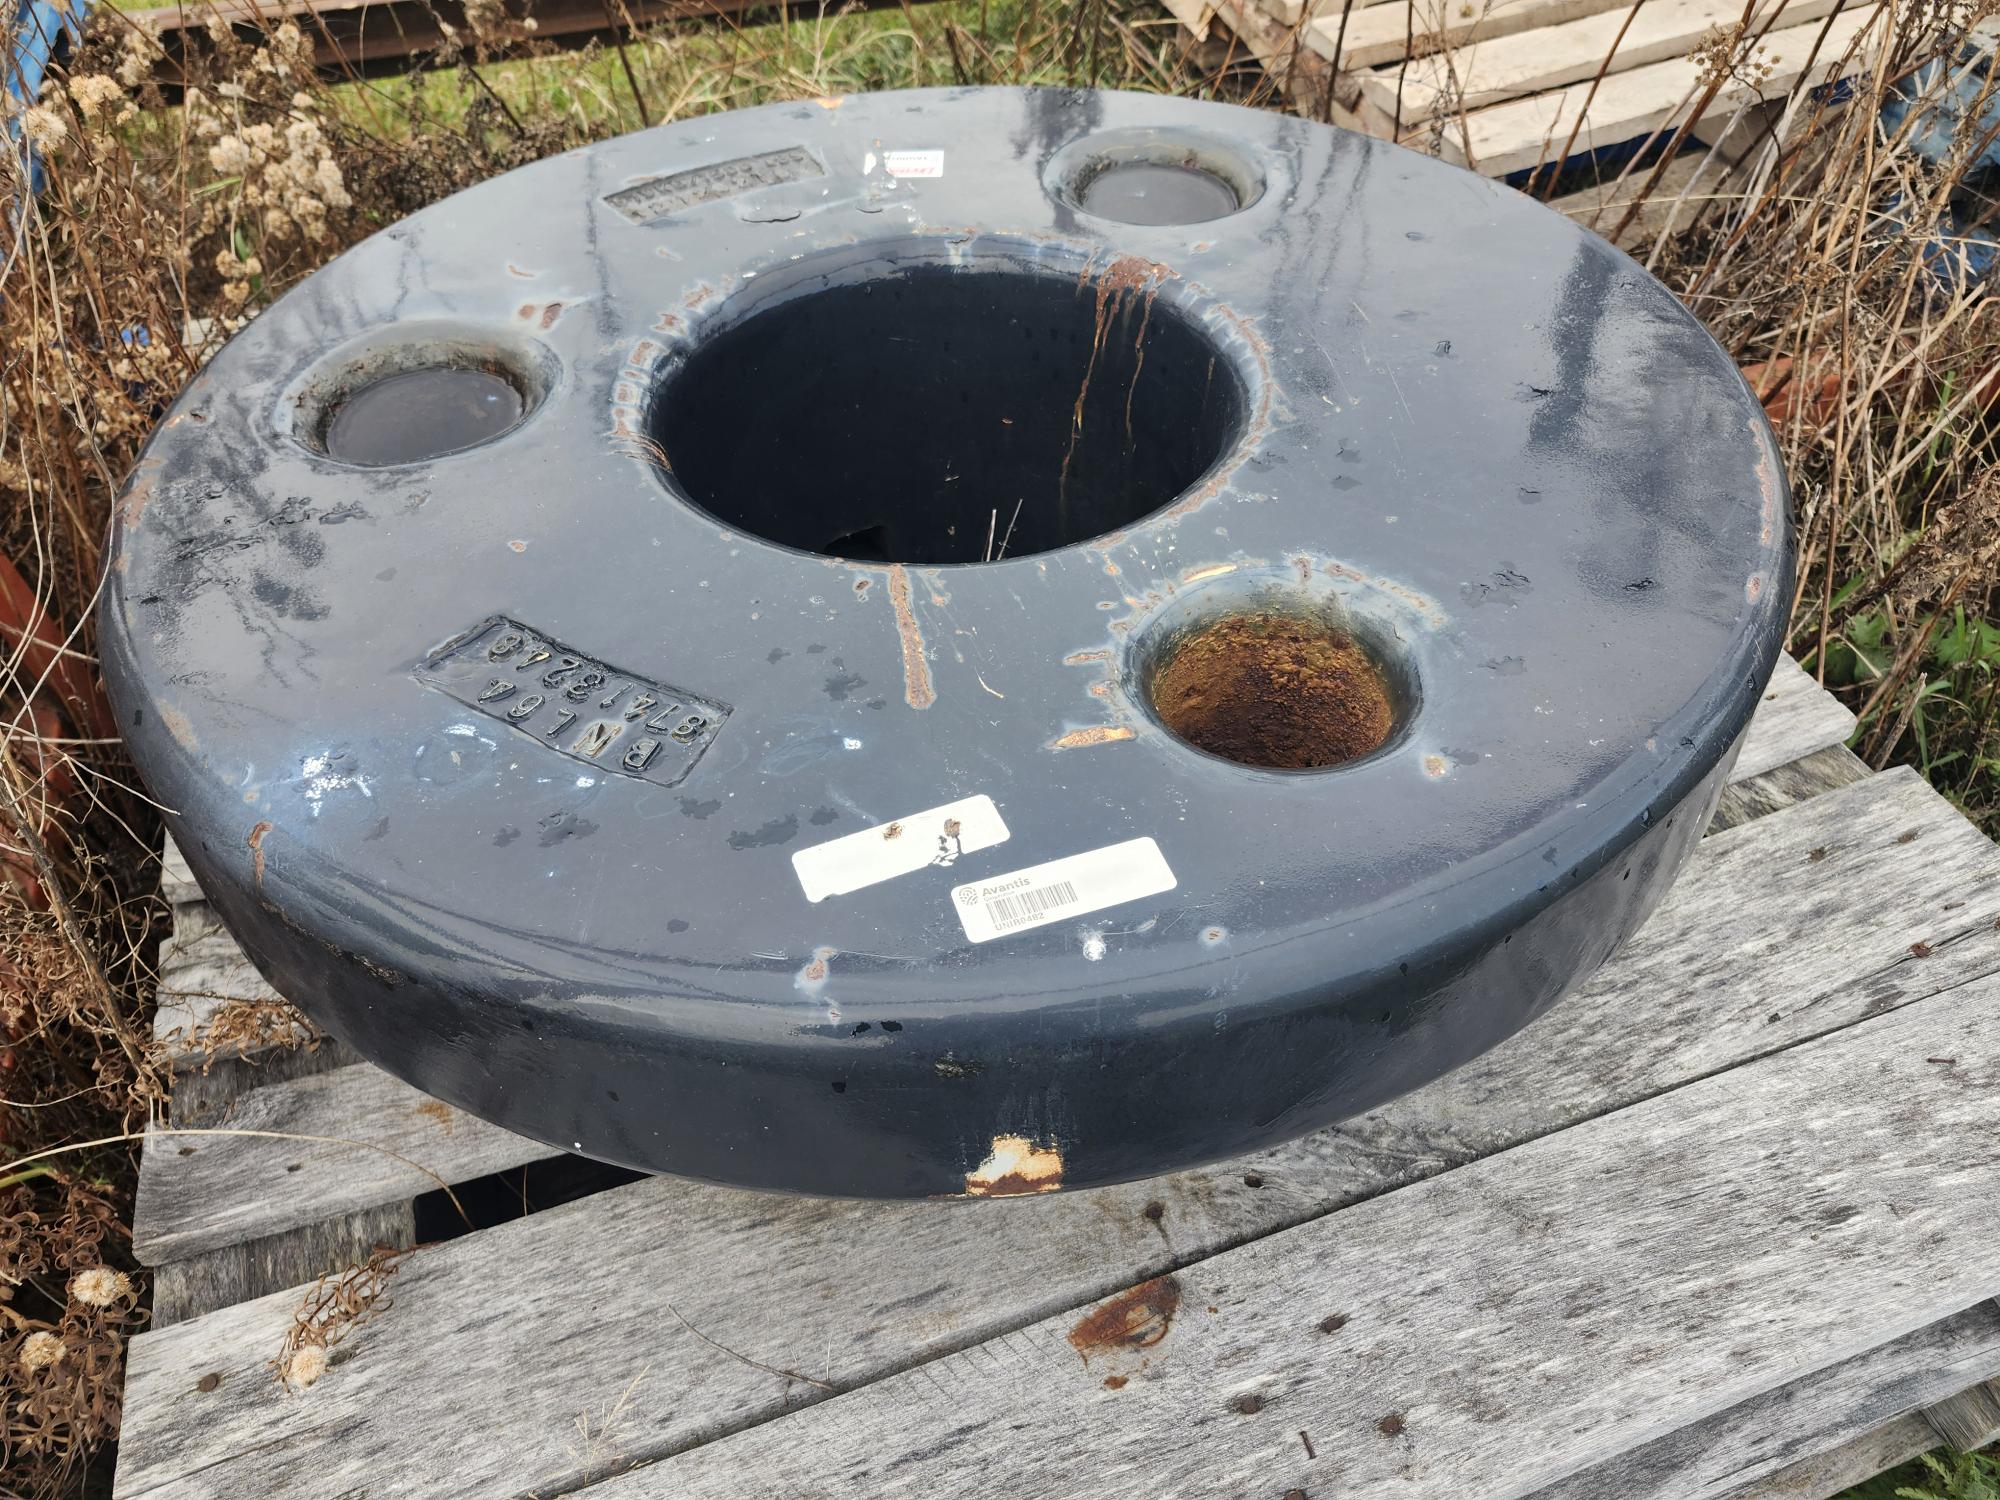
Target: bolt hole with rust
(1275, 689)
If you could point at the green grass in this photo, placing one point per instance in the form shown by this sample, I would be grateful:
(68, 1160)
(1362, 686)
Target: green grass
(1943, 1475)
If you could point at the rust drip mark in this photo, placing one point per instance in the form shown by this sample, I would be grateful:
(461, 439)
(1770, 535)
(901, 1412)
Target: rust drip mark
(1124, 278)
(550, 314)
(1085, 658)
(1105, 734)
(917, 689)
(1754, 587)
(256, 845)
(526, 312)
(514, 270)
(1016, 1168)
(667, 322)
(1135, 1319)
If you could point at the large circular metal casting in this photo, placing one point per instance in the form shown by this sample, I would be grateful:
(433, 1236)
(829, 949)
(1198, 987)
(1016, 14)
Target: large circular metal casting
(948, 643)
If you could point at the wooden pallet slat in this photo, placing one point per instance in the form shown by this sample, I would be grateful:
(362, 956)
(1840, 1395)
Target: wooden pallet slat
(840, 1294)
(1566, 1315)
(1552, 55)
(1525, 132)
(1385, 33)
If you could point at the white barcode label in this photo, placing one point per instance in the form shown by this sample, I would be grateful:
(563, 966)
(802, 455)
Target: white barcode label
(936, 836)
(1068, 887)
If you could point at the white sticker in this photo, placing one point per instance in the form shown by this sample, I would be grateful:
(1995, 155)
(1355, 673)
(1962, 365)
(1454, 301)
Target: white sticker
(935, 837)
(1069, 887)
(914, 163)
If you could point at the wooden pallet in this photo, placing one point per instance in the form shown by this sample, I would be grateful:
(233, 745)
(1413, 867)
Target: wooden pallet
(1719, 1224)
(1509, 85)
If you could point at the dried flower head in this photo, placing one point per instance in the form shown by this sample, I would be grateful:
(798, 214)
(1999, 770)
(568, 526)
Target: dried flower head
(100, 1286)
(41, 1349)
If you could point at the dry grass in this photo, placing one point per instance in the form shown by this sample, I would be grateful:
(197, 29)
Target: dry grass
(163, 224)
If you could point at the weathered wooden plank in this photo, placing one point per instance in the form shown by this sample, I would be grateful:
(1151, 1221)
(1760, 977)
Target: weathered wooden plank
(223, 1277)
(1969, 1419)
(1737, 963)
(1771, 1435)
(1525, 132)
(327, 1144)
(1824, 771)
(1894, 1442)
(1625, 1278)
(1290, 12)
(177, 882)
(1301, 74)
(1608, 41)
(1384, 33)
(201, 970)
(1795, 718)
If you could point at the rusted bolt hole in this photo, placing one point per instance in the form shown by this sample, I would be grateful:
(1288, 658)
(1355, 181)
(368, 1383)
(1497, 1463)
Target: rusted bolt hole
(922, 412)
(1279, 690)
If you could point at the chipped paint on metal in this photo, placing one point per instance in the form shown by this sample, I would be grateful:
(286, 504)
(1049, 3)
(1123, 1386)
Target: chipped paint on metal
(179, 727)
(1104, 734)
(811, 979)
(1016, 1167)
(256, 846)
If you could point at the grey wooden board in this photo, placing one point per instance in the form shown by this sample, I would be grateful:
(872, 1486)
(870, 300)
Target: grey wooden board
(177, 882)
(1970, 1419)
(1895, 1441)
(361, 1138)
(1602, 1287)
(350, 1139)
(1738, 963)
(201, 969)
(1796, 717)
(1747, 1445)
(236, 1273)
(1822, 771)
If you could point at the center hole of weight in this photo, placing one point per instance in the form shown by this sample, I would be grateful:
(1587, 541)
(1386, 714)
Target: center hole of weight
(951, 413)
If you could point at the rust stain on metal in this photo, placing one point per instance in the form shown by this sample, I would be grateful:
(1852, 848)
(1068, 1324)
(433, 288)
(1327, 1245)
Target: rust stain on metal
(667, 322)
(1436, 765)
(813, 975)
(893, 831)
(179, 727)
(514, 270)
(1134, 1319)
(1016, 1168)
(526, 312)
(1085, 658)
(917, 689)
(550, 314)
(1104, 734)
(256, 843)
(1114, 1382)
(698, 296)
(1754, 587)
(1767, 482)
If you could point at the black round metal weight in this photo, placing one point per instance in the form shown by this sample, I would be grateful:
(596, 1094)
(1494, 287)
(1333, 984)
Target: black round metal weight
(948, 643)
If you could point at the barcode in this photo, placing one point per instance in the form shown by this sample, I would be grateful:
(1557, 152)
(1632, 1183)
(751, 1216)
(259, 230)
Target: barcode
(1025, 906)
